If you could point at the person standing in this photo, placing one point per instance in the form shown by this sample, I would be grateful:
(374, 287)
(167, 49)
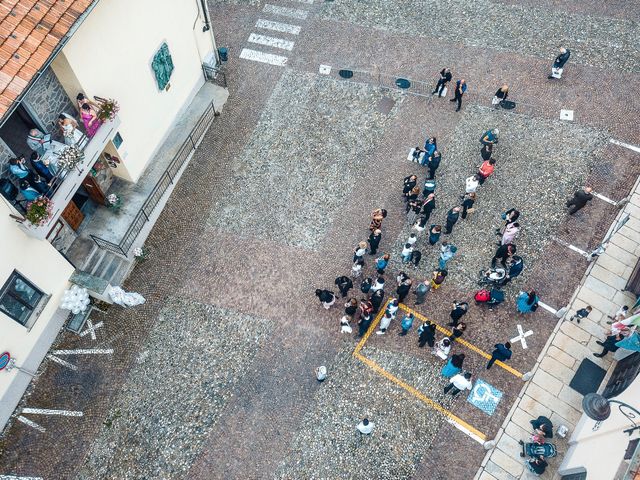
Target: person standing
(382, 262)
(467, 203)
(359, 251)
(344, 284)
(406, 323)
(427, 334)
(40, 167)
(502, 353)
(447, 252)
(364, 323)
(434, 234)
(510, 233)
(416, 256)
(421, 291)
(609, 345)
(486, 151)
(457, 331)
(559, 63)
(580, 199)
(490, 137)
(403, 289)
(503, 253)
(406, 253)
(471, 184)
(356, 268)
(485, 170)
(433, 163)
(351, 307)
(326, 297)
(445, 77)
(377, 299)
(453, 366)
(509, 216)
(365, 426)
(374, 241)
(452, 218)
(384, 323)
(437, 279)
(377, 216)
(458, 384)
(501, 94)
(515, 266)
(457, 312)
(409, 182)
(461, 88)
(378, 284)
(427, 207)
(527, 302)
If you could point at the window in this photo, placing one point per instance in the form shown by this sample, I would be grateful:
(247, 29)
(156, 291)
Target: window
(162, 66)
(19, 298)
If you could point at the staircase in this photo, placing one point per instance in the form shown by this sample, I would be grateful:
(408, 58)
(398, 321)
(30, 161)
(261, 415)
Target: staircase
(106, 265)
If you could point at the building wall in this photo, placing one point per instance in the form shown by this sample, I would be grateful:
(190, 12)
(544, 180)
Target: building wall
(48, 99)
(41, 264)
(104, 63)
(5, 155)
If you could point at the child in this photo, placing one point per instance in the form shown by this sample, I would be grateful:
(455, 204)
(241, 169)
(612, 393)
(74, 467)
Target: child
(582, 313)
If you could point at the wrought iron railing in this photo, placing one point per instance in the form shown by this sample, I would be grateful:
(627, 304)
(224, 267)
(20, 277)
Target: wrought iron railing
(144, 214)
(214, 74)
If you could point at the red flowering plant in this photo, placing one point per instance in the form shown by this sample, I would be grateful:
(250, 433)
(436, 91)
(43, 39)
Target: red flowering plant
(108, 110)
(39, 211)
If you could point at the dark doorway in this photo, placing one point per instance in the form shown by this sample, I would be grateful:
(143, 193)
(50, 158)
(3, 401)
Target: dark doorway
(15, 130)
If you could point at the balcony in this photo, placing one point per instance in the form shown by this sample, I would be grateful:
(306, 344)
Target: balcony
(69, 185)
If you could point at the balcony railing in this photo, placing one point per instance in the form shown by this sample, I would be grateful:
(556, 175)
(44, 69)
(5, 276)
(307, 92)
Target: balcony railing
(66, 187)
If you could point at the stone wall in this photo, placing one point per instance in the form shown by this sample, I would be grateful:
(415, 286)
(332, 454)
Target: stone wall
(48, 99)
(5, 155)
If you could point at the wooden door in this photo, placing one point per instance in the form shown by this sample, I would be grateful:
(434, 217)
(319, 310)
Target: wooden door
(93, 189)
(72, 215)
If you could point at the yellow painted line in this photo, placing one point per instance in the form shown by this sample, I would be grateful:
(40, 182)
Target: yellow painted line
(372, 327)
(470, 346)
(457, 421)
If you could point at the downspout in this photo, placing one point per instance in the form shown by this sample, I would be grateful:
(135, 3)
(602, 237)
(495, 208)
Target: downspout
(207, 28)
(51, 58)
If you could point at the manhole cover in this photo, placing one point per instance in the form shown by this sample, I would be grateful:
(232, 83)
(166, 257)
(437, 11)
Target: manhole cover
(346, 73)
(385, 104)
(403, 83)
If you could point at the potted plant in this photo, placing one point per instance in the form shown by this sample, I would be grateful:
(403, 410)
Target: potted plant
(39, 211)
(141, 253)
(114, 202)
(69, 158)
(108, 110)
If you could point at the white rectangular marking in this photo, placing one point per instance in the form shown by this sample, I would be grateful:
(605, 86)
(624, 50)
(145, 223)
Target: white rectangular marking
(62, 362)
(269, 58)
(547, 307)
(576, 249)
(285, 12)
(14, 477)
(602, 197)
(625, 145)
(85, 351)
(566, 115)
(324, 69)
(274, 42)
(308, 2)
(465, 431)
(278, 27)
(47, 411)
(32, 424)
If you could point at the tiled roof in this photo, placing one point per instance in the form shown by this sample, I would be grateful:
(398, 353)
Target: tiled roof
(30, 30)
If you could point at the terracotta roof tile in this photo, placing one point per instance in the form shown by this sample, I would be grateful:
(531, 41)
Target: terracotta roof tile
(38, 27)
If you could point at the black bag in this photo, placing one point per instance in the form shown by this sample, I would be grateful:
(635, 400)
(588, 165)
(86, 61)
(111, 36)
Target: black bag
(365, 286)
(507, 104)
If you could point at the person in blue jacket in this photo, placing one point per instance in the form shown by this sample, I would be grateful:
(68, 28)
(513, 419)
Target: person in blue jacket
(28, 192)
(527, 302)
(502, 352)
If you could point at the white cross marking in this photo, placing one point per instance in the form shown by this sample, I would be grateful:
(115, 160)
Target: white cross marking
(85, 351)
(14, 477)
(62, 362)
(91, 328)
(521, 336)
(47, 411)
(32, 424)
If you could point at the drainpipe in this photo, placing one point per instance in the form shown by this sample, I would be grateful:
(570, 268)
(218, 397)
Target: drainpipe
(207, 28)
(51, 58)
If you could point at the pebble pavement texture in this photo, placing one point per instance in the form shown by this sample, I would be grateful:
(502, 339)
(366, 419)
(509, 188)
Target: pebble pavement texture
(187, 371)
(526, 30)
(301, 165)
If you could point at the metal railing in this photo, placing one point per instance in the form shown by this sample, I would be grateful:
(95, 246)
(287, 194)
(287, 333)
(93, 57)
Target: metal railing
(214, 74)
(166, 180)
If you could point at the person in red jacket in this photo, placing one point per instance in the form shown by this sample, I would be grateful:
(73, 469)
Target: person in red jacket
(486, 169)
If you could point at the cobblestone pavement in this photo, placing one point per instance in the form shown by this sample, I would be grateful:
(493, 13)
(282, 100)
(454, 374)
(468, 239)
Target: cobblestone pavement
(270, 208)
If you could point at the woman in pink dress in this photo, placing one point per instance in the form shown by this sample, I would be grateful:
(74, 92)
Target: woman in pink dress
(510, 233)
(90, 120)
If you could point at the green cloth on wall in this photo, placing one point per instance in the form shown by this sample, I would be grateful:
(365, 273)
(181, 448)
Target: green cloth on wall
(162, 65)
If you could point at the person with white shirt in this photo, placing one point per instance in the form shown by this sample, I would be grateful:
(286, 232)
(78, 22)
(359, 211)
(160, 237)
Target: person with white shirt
(321, 373)
(413, 238)
(378, 284)
(365, 426)
(459, 383)
(472, 184)
(359, 251)
(406, 253)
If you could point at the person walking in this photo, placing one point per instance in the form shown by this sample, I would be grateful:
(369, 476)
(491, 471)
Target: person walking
(609, 345)
(459, 309)
(580, 199)
(452, 218)
(427, 334)
(501, 94)
(457, 331)
(403, 289)
(453, 366)
(382, 262)
(527, 302)
(580, 314)
(503, 253)
(502, 353)
(559, 63)
(377, 216)
(471, 184)
(458, 384)
(510, 233)
(441, 86)
(433, 163)
(344, 284)
(485, 170)
(447, 252)
(326, 297)
(359, 251)
(467, 204)
(374, 241)
(406, 323)
(461, 88)
(434, 234)
(490, 137)
(421, 291)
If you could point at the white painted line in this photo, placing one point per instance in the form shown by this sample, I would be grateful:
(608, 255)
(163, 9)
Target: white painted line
(85, 351)
(324, 69)
(91, 328)
(602, 197)
(62, 362)
(625, 145)
(14, 477)
(547, 307)
(465, 431)
(32, 424)
(576, 249)
(47, 411)
(521, 336)
(269, 58)
(278, 27)
(285, 12)
(566, 115)
(274, 42)
(308, 2)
